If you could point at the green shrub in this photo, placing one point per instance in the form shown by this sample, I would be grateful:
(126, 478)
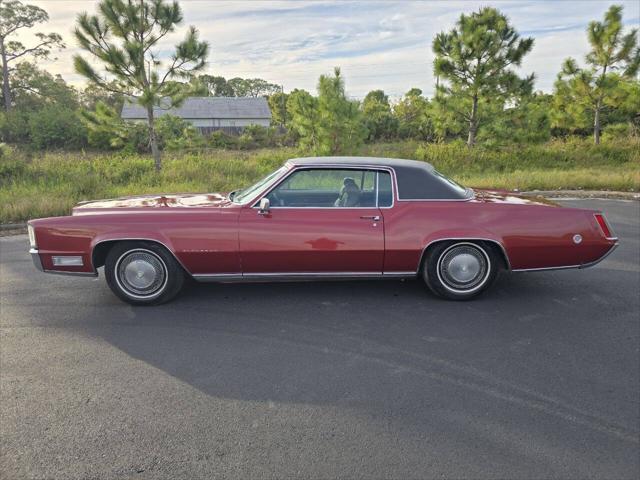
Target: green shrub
(246, 142)
(14, 127)
(220, 139)
(620, 131)
(572, 152)
(48, 184)
(11, 166)
(251, 138)
(137, 138)
(55, 127)
(101, 139)
(174, 133)
(261, 137)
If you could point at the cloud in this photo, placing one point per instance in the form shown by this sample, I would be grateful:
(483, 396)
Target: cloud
(382, 44)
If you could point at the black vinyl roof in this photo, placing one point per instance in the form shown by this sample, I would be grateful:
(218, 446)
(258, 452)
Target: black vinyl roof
(416, 180)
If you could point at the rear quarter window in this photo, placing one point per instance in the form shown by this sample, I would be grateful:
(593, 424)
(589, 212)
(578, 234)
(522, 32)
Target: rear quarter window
(427, 184)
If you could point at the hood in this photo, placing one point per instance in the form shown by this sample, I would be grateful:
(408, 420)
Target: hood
(505, 196)
(192, 200)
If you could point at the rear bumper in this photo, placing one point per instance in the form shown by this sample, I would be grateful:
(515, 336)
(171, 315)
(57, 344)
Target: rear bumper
(566, 267)
(595, 262)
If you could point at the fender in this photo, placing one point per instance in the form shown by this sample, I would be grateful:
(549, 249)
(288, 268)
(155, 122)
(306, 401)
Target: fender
(149, 236)
(464, 234)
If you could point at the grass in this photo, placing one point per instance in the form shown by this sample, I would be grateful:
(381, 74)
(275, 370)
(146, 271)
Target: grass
(44, 184)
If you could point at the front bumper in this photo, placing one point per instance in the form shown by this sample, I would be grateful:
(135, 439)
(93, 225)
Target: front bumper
(37, 262)
(35, 257)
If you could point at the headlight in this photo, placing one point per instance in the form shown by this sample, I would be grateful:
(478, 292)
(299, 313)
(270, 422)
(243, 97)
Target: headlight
(32, 237)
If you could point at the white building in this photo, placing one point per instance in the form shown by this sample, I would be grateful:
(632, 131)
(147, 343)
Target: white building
(230, 114)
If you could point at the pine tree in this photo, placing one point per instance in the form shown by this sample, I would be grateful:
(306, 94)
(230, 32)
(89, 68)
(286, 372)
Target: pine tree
(305, 118)
(122, 36)
(340, 127)
(474, 60)
(614, 60)
(378, 118)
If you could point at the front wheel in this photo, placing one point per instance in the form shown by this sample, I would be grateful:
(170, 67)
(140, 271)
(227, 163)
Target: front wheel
(459, 270)
(143, 273)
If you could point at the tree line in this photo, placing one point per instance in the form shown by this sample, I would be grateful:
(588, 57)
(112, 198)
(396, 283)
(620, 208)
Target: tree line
(479, 95)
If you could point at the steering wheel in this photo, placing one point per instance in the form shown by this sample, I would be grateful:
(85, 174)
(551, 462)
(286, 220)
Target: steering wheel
(275, 199)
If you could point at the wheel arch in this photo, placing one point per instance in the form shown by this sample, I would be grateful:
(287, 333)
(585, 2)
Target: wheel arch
(100, 249)
(497, 246)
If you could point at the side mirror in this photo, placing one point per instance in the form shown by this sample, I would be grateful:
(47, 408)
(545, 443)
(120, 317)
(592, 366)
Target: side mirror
(264, 206)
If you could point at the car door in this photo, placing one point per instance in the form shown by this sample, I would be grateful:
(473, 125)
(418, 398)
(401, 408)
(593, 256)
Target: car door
(320, 221)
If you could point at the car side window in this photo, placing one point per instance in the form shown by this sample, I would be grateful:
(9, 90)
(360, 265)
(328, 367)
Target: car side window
(385, 191)
(326, 188)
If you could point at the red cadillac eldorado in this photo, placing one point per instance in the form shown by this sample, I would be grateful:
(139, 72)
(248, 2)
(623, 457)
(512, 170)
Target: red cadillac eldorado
(320, 218)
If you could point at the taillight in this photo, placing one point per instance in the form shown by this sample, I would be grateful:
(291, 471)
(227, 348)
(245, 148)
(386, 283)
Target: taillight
(604, 226)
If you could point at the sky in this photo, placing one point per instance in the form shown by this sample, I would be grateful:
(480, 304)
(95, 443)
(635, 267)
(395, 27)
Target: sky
(378, 44)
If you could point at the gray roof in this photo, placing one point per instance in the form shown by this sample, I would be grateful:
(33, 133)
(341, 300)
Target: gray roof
(206, 107)
(415, 180)
(374, 161)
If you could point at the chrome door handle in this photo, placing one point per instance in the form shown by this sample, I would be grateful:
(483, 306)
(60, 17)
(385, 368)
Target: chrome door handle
(375, 218)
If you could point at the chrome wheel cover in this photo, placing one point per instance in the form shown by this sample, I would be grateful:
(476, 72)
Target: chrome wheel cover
(141, 273)
(463, 268)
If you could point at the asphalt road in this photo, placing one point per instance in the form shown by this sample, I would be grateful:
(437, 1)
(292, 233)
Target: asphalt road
(537, 379)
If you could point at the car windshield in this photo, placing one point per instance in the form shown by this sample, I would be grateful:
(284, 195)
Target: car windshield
(242, 196)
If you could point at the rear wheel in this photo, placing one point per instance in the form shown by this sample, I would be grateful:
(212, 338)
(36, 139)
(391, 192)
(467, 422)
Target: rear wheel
(143, 273)
(459, 270)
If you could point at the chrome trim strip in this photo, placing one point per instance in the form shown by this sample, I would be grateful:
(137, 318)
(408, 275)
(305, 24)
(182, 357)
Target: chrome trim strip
(398, 274)
(437, 199)
(296, 275)
(504, 251)
(35, 257)
(569, 267)
(217, 277)
(545, 269)
(72, 274)
(237, 277)
(320, 208)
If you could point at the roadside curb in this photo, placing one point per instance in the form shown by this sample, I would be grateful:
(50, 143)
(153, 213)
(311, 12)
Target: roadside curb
(19, 228)
(604, 194)
(12, 226)
(8, 229)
